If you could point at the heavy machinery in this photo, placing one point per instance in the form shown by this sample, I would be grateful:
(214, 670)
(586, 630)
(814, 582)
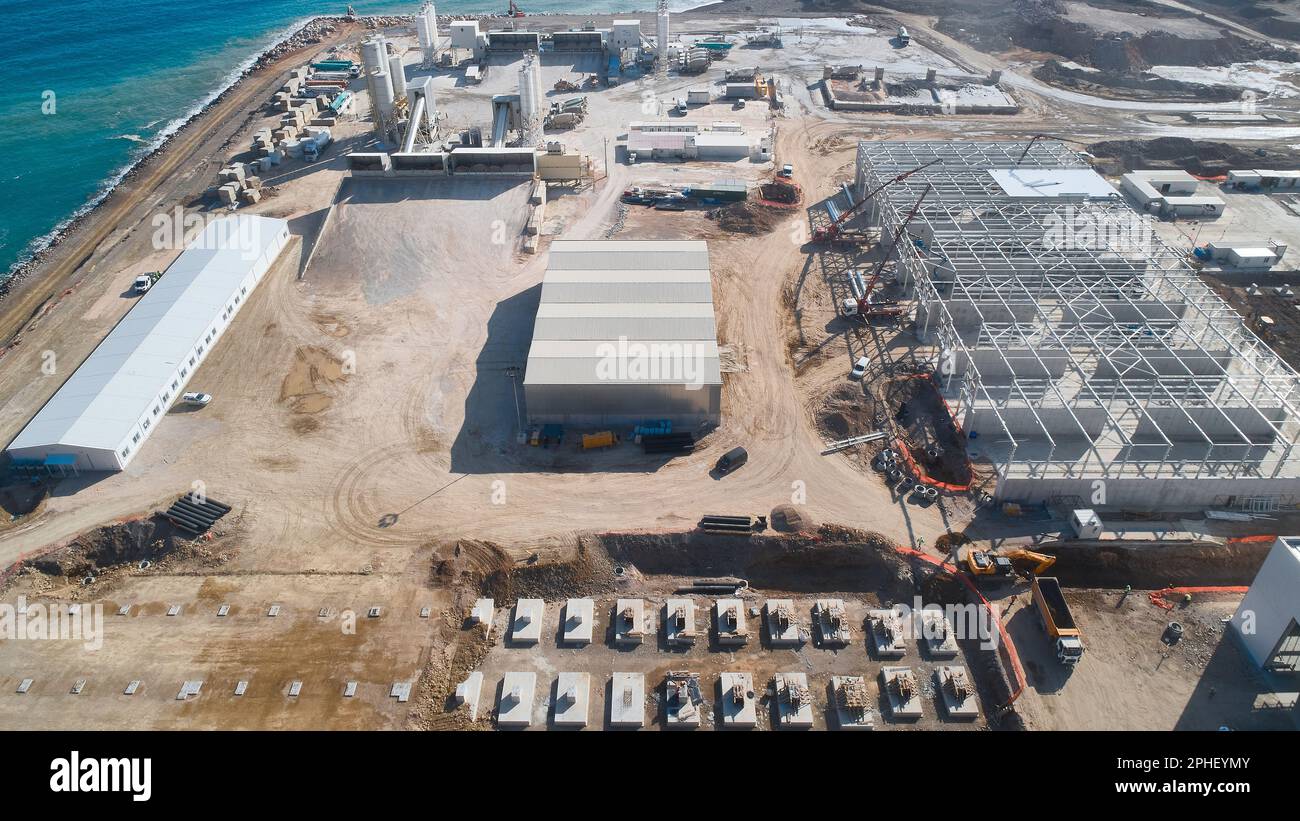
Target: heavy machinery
(834, 231)
(513, 10)
(866, 304)
(1056, 618)
(1002, 566)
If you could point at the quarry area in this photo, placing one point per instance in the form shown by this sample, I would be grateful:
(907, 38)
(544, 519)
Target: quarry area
(767, 367)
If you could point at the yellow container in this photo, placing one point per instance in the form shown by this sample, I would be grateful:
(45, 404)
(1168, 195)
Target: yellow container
(604, 439)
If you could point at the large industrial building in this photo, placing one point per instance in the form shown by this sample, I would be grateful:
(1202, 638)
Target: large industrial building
(1268, 619)
(1082, 356)
(108, 407)
(625, 333)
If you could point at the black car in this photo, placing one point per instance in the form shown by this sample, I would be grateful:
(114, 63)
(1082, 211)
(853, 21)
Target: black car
(731, 460)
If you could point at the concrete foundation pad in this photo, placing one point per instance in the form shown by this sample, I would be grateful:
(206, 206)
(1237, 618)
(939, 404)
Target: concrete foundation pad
(793, 703)
(851, 701)
(956, 692)
(903, 692)
(526, 626)
(682, 701)
(629, 621)
(729, 620)
(627, 700)
(579, 621)
(572, 697)
(679, 621)
(483, 612)
(782, 626)
(886, 629)
(832, 623)
(936, 632)
(515, 709)
(468, 693)
(738, 700)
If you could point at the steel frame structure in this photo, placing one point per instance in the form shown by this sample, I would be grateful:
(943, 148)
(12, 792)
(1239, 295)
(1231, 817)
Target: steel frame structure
(1072, 316)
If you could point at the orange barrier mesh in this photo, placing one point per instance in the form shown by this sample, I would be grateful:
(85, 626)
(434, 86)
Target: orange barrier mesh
(1005, 647)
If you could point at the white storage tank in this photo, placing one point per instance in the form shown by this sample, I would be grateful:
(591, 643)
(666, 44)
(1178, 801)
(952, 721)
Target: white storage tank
(398, 74)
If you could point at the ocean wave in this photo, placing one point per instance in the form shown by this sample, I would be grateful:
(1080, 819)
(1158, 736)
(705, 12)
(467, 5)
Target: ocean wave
(39, 245)
(135, 138)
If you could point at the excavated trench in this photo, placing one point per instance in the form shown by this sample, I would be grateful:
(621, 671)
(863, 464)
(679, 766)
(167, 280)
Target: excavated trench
(151, 539)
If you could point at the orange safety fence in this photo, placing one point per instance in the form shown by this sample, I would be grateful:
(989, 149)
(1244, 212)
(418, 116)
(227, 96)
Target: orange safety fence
(1160, 598)
(911, 463)
(1005, 646)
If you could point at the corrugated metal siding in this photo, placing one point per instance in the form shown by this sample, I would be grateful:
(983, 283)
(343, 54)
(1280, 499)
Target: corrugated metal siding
(626, 292)
(595, 371)
(650, 259)
(625, 331)
(652, 328)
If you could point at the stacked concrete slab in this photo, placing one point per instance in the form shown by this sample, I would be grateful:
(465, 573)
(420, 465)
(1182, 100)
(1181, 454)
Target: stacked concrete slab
(886, 629)
(679, 622)
(738, 701)
(730, 617)
(902, 692)
(851, 702)
(956, 693)
(793, 703)
(526, 626)
(681, 701)
(579, 621)
(629, 621)
(515, 708)
(782, 626)
(627, 701)
(831, 621)
(572, 697)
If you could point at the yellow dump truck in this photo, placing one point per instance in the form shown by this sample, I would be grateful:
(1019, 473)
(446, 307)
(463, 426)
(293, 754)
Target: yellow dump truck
(1057, 620)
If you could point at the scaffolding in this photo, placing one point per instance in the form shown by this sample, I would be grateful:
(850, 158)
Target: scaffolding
(1071, 341)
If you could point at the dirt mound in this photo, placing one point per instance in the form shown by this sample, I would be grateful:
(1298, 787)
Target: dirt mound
(746, 218)
(92, 553)
(778, 191)
(1199, 157)
(790, 519)
(848, 411)
(587, 573)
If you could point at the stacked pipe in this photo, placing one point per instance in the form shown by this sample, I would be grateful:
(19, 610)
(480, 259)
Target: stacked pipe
(739, 525)
(683, 442)
(195, 513)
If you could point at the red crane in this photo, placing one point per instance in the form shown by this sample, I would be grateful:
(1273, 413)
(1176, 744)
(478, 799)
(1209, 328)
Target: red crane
(829, 233)
(514, 10)
(864, 306)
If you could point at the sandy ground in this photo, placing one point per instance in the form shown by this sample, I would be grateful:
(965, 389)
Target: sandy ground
(1129, 679)
(365, 409)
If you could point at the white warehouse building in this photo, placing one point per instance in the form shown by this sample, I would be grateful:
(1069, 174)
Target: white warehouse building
(625, 334)
(101, 416)
(1268, 619)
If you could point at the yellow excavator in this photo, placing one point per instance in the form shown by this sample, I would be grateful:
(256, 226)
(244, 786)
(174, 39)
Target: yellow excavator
(984, 565)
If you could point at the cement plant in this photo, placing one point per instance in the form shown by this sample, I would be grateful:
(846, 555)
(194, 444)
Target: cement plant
(912, 365)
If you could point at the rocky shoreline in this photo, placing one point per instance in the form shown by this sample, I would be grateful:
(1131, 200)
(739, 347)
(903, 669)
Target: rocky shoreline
(313, 31)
